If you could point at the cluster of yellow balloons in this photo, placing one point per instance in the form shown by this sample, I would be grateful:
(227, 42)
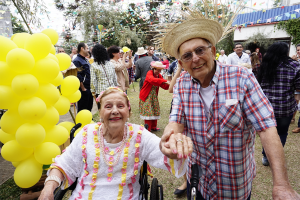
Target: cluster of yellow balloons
(29, 75)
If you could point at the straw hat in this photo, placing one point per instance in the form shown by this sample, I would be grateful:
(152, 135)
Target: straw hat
(141, 51)
(210, 25)
(197, 28)
(157, 65)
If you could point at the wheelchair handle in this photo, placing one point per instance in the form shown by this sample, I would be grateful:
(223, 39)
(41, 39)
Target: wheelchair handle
(77, 126)
(194, 180)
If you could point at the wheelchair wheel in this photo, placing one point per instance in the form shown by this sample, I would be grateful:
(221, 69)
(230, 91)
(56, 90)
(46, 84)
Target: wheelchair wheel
(59, 194)
(154, 191)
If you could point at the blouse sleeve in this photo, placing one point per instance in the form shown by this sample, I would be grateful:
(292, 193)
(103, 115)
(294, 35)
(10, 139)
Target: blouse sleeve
(118, 66)
(93, 78)
(154, 81)
(70, 163)
(153, 156)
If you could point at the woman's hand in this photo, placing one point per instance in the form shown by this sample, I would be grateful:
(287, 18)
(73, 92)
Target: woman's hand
(294, 57)
(176, 145)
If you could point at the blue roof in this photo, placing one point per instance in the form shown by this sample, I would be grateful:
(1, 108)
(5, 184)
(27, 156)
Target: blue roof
(268, 16)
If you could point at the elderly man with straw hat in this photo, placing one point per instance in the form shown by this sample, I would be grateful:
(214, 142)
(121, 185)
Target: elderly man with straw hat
(221, 107)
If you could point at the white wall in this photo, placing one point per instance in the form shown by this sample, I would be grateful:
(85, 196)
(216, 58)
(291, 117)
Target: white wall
(244, 33)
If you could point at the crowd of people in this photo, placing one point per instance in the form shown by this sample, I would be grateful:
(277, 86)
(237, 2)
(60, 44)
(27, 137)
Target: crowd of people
(217, 109)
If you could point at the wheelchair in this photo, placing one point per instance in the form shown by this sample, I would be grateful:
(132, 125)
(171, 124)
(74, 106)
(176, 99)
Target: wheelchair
(156, 190)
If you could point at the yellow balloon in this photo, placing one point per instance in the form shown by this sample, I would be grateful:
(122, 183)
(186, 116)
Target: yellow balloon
(58, 80)
(30, 135)
(69, 85)
(6, 45)
(20, 60)
(6, 97)
(15, 164)
(32, 109)
(67, 125)
(25, 85)
(45, 70)
(14, 35)
(77, 131)
(6, 74)
(57, 135)
(64, 61)
(28, 173)
(52, 34)
(74, 97)
(50, 119)
(53, 57)
(10, 122)
(62, 105)
(52, 51)
(45, 152)
(5, 137)
(12, 151)
(39, 45)
(20, 39)
(84, 117)
(48, 93)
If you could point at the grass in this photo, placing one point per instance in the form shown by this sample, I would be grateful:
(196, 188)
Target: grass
(262, 185)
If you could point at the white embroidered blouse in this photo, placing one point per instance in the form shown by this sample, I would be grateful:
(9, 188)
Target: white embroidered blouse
(96, 179)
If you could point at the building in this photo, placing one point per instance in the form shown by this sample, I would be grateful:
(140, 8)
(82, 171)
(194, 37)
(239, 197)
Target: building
(5, 21)
(264, 21)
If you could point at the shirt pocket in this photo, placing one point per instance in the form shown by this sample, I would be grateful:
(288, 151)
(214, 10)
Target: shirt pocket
(231, 117)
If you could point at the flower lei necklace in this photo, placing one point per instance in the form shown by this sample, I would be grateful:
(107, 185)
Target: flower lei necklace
(110, 162)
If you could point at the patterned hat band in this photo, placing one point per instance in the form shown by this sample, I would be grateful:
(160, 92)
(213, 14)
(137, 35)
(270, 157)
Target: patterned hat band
(112, 88)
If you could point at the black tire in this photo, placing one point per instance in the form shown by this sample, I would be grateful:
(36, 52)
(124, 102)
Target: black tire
(154, 191)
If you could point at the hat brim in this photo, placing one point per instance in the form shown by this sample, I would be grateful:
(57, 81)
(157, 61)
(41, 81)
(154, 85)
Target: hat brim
(194, 28)
(141, 53)
(158, 67)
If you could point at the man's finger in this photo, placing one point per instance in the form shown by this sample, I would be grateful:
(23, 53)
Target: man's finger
(165, 137)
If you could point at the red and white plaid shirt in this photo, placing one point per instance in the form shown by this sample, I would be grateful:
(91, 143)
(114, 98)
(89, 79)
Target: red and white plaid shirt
(224, 140)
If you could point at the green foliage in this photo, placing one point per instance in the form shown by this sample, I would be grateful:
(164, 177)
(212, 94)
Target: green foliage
(227, 44)
(68, 45)
(292, 27)
(17, 26)
(260, 39)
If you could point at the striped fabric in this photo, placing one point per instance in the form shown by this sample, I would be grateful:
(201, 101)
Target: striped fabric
(223, 141)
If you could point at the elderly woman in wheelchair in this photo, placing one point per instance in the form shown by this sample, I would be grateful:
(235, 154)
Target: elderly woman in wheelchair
(106, 157)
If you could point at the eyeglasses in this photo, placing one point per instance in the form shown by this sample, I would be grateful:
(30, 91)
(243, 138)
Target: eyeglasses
(61, 52)
(199, 51)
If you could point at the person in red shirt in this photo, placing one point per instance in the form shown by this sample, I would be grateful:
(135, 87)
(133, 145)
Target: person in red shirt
(149, 105)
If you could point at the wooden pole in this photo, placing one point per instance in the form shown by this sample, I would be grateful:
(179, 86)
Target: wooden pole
(22, 16)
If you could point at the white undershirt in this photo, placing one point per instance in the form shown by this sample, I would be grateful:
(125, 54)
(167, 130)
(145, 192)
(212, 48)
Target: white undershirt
(207, 97)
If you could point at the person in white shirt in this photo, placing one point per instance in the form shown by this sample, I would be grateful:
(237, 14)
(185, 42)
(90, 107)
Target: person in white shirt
(238, 57)
(222, 57)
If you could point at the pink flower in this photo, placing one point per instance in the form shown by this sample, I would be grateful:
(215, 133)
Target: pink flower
(133, 180)
(117, 149)
(125, 159)
(106, 149)
(137, 153)
(123, 171)
(95, 170)
(85, 128)
(84, 141)
(141, 128)
(129, 124)
(95, 132)
(131, 133)
(92, 185)
(111, 159)
(97, 159)
(99, 123)
(84, 155)
(123, 184)
(138, 139)
(127, 144)
(64, 150)
(110, 169)
(136, 165)
(97, 145)
(109, 179)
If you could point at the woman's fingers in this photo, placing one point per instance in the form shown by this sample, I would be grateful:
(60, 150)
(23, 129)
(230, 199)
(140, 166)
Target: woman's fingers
(186, 148)
(179, 144)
